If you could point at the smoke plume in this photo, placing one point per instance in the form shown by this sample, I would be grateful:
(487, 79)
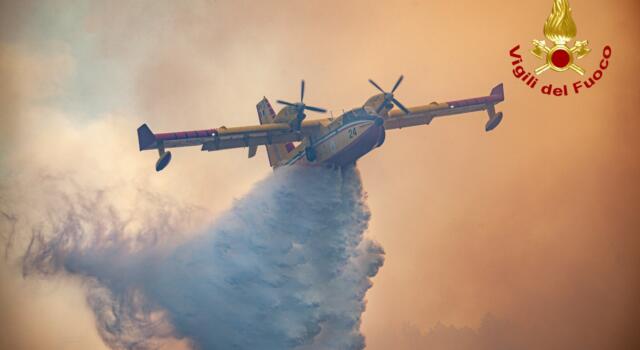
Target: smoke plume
(286, 267)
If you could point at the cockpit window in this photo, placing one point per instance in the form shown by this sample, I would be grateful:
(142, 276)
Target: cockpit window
(349, 117)
(356, 114)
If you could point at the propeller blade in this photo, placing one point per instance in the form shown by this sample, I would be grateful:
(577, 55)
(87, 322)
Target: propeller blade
(401, 106)
(302, 91)
(376, 85)
(286, 103)
(315, 109)
(397, 83)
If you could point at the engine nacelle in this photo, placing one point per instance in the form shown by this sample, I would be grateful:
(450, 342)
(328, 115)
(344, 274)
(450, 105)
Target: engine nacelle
(375, 101)
(286, 115)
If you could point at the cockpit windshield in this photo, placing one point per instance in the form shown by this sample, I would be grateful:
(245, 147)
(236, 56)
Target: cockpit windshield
(358, 114)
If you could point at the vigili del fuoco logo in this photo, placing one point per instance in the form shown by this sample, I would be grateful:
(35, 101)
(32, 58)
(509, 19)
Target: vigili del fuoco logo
(560, 55)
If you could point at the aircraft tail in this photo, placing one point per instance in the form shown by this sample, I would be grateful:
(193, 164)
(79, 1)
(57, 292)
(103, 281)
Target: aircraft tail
(276, 152)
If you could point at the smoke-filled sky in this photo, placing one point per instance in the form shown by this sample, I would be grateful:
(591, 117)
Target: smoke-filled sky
(522, 238)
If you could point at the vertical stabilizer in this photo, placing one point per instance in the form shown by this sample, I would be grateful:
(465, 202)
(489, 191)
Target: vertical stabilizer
(276, 152)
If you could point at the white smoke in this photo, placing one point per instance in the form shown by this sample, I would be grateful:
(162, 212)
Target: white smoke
(286, 267)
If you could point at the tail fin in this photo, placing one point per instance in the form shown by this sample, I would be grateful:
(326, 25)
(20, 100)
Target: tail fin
(276, 152)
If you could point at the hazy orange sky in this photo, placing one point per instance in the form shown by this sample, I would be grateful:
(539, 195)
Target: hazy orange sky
(527, 237)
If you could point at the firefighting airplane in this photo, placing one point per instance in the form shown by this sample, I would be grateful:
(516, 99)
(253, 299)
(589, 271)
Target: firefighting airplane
(328, 141)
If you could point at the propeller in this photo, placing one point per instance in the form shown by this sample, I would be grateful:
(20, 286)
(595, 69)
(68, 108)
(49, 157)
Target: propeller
(300, 107)
(389, 100)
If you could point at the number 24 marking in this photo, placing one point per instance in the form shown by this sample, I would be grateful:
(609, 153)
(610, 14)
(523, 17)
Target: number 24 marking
(352, 133)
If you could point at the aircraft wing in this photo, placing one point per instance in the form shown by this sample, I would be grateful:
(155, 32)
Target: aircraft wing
(222, 138)
(424, 114)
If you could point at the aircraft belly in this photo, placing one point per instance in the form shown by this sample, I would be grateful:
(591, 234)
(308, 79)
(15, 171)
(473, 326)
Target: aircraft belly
(355, 144)
(342, 146)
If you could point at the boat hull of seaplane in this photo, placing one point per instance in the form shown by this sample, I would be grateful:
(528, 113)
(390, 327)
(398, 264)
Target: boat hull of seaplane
(343, 146)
